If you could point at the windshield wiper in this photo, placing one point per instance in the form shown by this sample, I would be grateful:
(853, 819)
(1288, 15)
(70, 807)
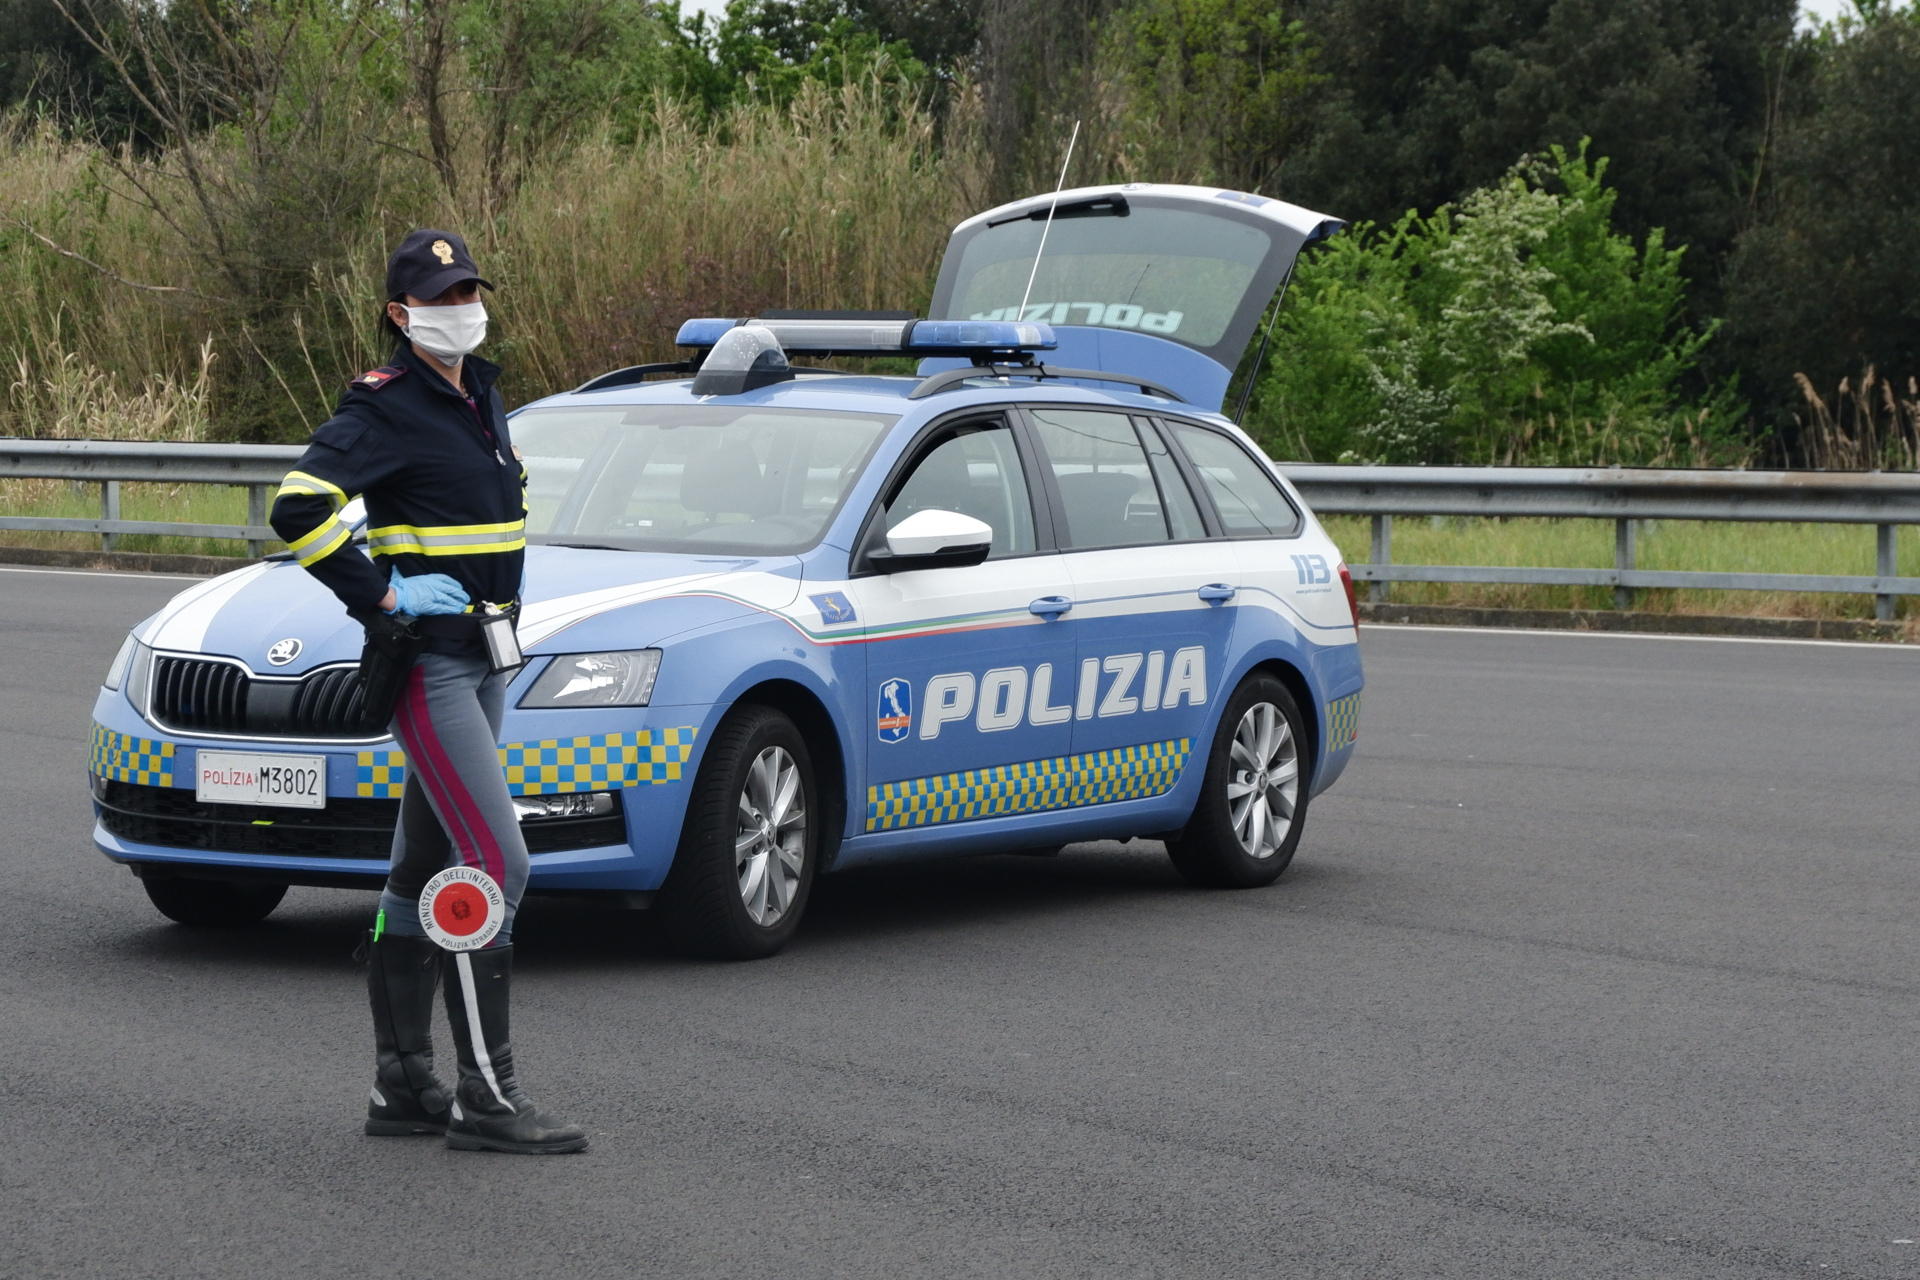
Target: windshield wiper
(580, 546)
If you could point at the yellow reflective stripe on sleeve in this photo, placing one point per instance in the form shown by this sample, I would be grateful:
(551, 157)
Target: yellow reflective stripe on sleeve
(321, 532)
(321, 543)
(299, 482)
(447, 540)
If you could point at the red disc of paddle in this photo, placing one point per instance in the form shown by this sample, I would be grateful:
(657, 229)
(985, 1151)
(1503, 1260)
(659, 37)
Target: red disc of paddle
(462, 909)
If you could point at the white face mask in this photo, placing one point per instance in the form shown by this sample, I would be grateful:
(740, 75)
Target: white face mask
(447, 332)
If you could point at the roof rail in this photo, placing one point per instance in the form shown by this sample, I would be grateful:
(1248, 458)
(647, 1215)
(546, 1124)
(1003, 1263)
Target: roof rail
(633, 373)
(1038, 372)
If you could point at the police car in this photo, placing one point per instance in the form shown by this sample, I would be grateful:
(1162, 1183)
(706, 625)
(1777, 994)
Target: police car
(781, 621)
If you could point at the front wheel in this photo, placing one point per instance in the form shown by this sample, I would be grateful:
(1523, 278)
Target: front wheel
(744, 867)
(1253, 800)
(212, 903)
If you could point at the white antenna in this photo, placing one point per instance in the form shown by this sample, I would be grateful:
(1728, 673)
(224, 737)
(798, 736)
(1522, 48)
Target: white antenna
(1021, 314)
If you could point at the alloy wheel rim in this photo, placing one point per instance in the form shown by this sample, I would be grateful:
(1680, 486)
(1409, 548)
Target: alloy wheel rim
(1263, 782)
(770, 836)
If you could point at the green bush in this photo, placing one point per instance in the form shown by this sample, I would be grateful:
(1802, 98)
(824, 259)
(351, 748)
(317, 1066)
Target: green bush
(1517, 328)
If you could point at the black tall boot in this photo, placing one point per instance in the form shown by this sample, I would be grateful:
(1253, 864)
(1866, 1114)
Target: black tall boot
(407, 1098)
(489, 1111)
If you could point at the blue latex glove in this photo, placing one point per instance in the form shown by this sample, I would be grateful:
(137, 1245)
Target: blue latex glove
(428, 594)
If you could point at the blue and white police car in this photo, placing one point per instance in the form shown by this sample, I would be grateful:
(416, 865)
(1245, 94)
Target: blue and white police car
(781, 621)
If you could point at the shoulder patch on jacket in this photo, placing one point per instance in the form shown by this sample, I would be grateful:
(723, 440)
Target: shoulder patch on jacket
(374, 379)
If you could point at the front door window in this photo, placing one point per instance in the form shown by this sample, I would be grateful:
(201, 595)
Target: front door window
(969, 690)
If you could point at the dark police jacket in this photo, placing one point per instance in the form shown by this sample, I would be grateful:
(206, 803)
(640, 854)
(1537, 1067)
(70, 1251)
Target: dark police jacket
(444, 491)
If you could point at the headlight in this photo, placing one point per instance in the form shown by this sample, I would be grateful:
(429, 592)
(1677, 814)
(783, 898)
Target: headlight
(621, 679)
(138, 669)
(118, 670)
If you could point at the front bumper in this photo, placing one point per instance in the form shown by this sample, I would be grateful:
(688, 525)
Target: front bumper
(146, 811)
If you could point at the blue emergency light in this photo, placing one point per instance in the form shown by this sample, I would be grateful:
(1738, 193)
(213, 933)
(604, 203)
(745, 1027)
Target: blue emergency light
(852, 337)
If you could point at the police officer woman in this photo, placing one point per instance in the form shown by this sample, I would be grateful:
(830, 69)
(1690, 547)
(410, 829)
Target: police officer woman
(424, 440)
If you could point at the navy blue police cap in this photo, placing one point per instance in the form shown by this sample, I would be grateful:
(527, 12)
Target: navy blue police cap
(428, 263)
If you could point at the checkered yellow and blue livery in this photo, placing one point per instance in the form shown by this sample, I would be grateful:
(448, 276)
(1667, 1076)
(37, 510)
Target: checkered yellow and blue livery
(1343, 722)
(600, 762)
(125, 758)
(1064, 782)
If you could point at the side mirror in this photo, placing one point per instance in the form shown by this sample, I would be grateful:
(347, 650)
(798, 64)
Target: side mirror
(934, 539)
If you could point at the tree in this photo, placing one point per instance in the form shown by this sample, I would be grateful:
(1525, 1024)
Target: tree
(264, 167)
(46, 63)
(1206, 90)
(1519, 327)
(766, 49)
(1036, 72)
(1430, 99)
(1828, 283)
(545, 69)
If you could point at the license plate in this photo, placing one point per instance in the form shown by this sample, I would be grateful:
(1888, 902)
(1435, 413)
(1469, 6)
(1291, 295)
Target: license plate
(248, 777)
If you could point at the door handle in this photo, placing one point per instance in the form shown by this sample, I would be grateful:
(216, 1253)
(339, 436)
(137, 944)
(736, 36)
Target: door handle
(1217, 592)
(1050, 607)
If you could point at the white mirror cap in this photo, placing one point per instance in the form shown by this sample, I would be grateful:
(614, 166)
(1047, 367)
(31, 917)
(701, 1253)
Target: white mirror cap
(354, 514)
(925, 532)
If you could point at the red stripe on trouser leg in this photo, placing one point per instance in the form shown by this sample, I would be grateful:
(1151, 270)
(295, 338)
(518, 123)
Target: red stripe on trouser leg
(411, 722)
(466, 826)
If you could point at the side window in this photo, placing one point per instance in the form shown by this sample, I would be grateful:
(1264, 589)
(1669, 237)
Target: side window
(1183, 513)
(1108, 496)
(975, 471)
(1250, 504)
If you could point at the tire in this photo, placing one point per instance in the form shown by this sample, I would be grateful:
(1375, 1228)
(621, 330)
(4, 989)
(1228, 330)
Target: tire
(734, 891)
(1230, 842)
(212, 903)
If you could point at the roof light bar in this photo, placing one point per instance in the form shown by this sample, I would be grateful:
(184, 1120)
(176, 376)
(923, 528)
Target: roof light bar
(812, 337)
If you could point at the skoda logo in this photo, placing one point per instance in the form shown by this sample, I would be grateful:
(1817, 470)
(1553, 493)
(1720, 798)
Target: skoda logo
(283, 651)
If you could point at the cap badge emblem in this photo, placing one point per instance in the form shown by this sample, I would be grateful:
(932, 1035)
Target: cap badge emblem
(283, 651)
(443, 251)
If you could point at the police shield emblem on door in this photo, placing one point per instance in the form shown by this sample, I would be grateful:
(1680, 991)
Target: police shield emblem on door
(896, 710)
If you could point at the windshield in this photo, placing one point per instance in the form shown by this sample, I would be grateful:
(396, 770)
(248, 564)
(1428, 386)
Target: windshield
(705, 478)
(1178, 273)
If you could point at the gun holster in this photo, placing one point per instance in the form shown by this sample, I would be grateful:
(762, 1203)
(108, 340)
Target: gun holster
(393, 645)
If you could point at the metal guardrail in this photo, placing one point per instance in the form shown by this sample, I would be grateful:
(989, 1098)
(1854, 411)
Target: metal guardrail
(1622, 495)
(108, 463)
(1626, 497)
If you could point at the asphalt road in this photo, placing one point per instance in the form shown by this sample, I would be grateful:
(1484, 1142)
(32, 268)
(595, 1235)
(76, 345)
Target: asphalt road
(1599, 962)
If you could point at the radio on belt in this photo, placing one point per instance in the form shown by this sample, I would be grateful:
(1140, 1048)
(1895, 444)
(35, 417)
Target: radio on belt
(503, 646)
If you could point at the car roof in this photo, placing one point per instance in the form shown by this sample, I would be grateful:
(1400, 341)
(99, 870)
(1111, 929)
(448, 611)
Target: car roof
(869, 393)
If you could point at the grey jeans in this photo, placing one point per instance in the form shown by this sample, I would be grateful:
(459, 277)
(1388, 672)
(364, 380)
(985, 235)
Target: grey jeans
(455, 807)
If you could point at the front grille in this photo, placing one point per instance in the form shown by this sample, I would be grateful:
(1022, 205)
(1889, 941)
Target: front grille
(200, 696)
(208, 696)
(327, 704)
(349, 827)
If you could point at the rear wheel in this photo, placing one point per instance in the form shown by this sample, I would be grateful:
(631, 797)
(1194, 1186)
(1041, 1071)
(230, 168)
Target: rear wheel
(212, 903)
(744, 868)
(1253, 800)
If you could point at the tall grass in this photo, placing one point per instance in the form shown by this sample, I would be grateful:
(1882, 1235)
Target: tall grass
(111, 327)
(839, 200)
(1868, 425)
(87, 351)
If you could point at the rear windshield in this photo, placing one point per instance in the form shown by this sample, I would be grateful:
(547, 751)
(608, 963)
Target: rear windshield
(689, 478)
(1178, 273)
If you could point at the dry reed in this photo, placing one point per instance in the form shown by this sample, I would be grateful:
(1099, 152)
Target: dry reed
(1867, 427)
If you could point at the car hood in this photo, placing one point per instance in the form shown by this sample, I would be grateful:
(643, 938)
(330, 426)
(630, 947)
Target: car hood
(277, 607)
